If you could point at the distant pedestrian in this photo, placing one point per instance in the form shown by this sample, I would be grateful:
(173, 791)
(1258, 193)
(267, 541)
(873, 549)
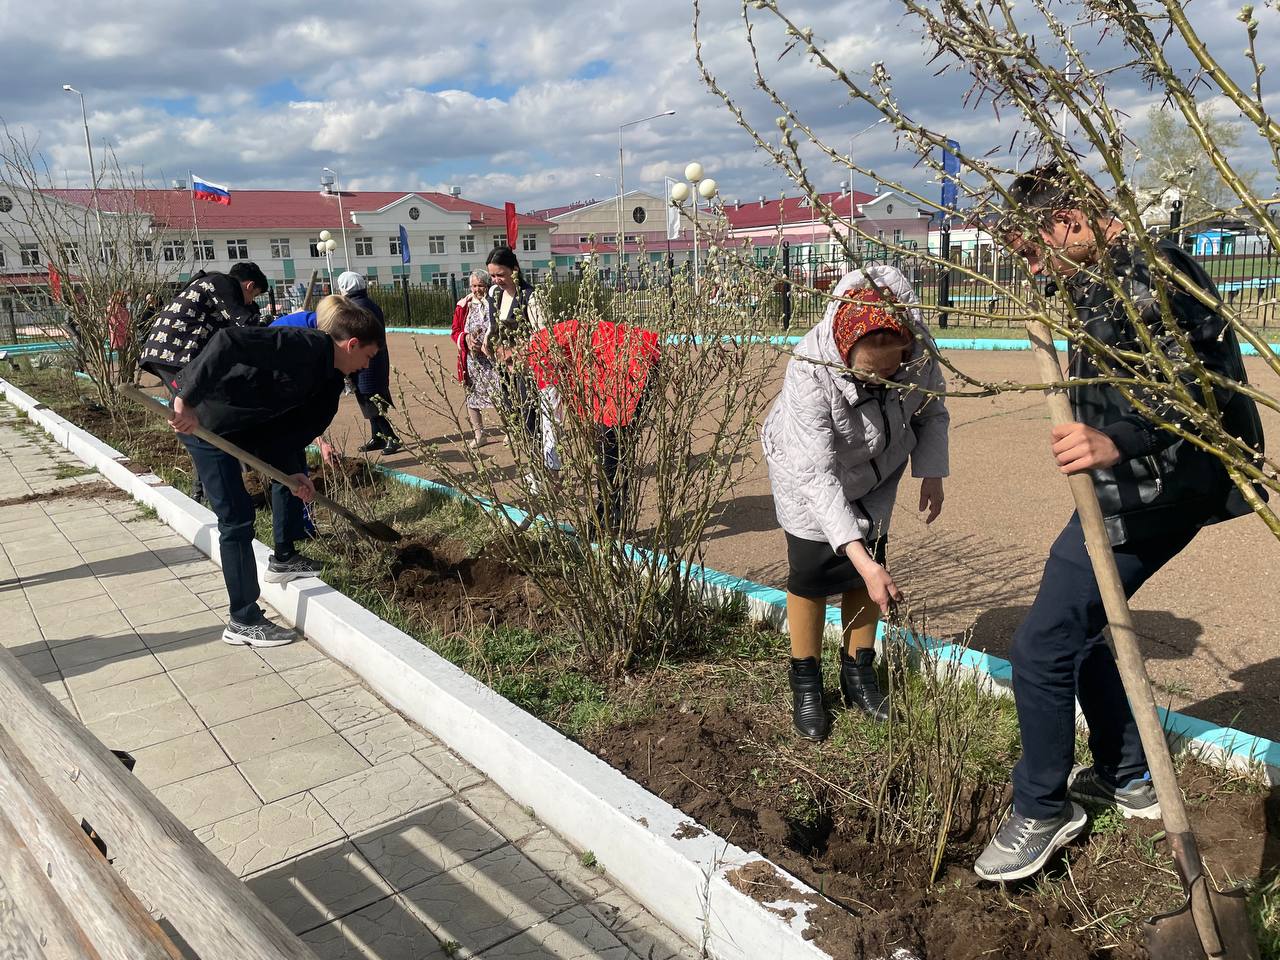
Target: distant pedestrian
(373, 385)
(513, 317)
(476, 370)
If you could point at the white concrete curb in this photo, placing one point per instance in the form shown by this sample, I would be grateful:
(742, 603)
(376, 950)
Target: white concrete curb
(682, 881)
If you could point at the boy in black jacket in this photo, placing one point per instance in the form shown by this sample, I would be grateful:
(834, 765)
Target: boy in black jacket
(1156, 491)
(271, 391)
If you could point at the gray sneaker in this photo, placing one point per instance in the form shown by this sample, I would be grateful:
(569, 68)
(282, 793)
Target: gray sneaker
(264, 634)
(1137, 798)
(282, 571)
(1022, 846)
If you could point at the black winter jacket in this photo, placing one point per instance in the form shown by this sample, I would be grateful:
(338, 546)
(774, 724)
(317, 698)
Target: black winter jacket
(375, 379)
(1162, 482)
(518, 327)
(266, 386)
(209, 303)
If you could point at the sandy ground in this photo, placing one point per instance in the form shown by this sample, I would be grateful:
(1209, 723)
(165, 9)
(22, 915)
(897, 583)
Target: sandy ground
(1208, 619)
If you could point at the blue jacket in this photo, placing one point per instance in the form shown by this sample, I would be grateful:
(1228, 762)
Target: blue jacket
(303, 318)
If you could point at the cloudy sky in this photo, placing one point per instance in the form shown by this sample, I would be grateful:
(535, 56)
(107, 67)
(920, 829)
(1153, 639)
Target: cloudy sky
(519, 101)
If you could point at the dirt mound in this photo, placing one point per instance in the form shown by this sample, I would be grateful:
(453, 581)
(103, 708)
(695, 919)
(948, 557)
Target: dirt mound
(710, 766)
(97, 490)
(458, 592)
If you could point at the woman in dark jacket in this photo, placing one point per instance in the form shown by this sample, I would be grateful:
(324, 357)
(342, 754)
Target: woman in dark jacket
(513, 316)
(373, 384)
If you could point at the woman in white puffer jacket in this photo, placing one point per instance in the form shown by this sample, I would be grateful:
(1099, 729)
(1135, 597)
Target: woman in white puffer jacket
(837, 444)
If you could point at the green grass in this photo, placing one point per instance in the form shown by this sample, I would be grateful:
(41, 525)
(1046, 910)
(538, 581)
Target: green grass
(65, 471)
(1264, 911)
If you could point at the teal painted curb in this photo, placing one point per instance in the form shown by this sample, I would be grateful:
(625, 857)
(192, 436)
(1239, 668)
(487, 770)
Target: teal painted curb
(43, 346)
(1242, 748)
(425, 331)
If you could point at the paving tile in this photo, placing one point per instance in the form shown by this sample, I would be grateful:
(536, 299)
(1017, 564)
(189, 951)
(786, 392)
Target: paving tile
(108, 673)
(290, 655)
(131, 587)
(387, 930)
(208, 797)
(82, 653)
(446, 765)
(318, 677)
(107, 622)
(260, 838)
(60, 614)
(164, 632)
(39, 662)
(488, 900)
(63, 593)
(387, 737)
(199, 649)
(564, 865)
(179, 759)
(500, 810)
(301, 766)
(234, 665)
(318, 886)
(348, 707)
(264, 733)
(126, 697)
(575, 934)
(643, 933)
(156, 611)
(202, 583)
(236, 700)
(133, 731)
(380, 794)
(57, 688)
(427, 842)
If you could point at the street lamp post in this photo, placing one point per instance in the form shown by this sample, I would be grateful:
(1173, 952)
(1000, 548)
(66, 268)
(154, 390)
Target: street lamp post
(88, 146)
(328, 245)
(614, 181)
(854, 137)
(622, 180)
(342, 217)
(698, 186)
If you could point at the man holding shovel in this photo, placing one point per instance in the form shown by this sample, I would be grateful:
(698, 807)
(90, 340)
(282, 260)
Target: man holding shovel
(268, 390)
(1156, 491)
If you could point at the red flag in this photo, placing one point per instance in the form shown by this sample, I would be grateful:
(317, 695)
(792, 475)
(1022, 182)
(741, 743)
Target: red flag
(513, 226)
(55, 282)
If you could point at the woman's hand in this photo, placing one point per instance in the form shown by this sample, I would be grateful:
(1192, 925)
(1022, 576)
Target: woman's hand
(327, 450)
(880, 586)
(931, 497)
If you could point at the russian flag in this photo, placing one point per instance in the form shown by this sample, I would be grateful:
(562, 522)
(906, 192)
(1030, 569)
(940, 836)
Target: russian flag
(213, 192)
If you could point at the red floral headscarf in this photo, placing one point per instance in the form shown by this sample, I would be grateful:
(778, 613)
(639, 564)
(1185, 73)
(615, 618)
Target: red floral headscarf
(866, 310)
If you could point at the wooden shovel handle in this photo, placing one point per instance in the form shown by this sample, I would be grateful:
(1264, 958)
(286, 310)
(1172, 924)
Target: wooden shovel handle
(1133, 671)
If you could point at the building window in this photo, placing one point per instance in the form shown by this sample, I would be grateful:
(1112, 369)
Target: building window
(499, 242)
(29, 254)
(393, 246)
(2, 263)
(107, 254)
(529, 243)
(467, 244)
(71, 253)
(532, 275)
(584, 239)
(880, 236)
(203, 250)
(280, 249)
(609, 238)
(313, 248)
(237, 250)
(440, 280)
(364, 246)
(144, 252)
(175, 251)
(632, 238)
(897, 236)
(435, 243)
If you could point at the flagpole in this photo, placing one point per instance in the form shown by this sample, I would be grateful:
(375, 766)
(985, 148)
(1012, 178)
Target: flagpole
(191, 179)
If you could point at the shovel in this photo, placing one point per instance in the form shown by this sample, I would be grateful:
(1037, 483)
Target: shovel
(373, 529)
(1209, 924)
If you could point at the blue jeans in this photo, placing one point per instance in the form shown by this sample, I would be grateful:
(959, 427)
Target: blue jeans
(1059, 654)
(223, 481)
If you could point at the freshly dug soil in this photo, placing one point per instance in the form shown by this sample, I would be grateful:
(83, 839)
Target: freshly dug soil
(97, 490)
(708, 764)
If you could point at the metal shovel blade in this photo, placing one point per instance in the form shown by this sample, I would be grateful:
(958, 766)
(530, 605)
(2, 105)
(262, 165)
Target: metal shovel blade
(1174, 936)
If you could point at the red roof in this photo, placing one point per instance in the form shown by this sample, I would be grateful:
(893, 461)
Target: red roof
(285, 209)
(789, 210)
(25, 279)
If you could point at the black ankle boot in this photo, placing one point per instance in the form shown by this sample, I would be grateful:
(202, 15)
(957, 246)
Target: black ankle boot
(860, 686)
(808, 713)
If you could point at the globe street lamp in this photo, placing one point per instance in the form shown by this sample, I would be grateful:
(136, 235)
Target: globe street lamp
(327, 244)
(698, 186)
(329, 178)
(88, 146)
(622, 180)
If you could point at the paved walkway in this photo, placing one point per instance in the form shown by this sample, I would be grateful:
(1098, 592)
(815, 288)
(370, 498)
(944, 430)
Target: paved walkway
(367, 836)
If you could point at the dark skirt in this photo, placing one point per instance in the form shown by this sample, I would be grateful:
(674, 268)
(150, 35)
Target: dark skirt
(816, 571)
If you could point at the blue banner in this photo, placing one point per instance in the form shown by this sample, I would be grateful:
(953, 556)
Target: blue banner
(404, 244)
(950, 172)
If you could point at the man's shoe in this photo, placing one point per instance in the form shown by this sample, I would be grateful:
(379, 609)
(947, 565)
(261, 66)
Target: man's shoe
(1137, 798)
(282, 571)
(860, 686)
(370, 446)
(1022, 845)
(264, 634)
(393, 446)
(807, 711)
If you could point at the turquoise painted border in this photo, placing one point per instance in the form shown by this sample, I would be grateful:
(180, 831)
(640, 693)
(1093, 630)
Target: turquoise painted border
(1235, 743)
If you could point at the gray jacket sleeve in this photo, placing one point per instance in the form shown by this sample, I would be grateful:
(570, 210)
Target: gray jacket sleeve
(931, 423)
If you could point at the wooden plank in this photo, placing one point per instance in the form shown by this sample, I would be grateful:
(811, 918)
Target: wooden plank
(34, 921)
(208, 905)
(109, 918)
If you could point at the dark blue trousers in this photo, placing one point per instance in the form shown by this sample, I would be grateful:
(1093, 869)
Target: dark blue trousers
(223, 481)
(1059, 655)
